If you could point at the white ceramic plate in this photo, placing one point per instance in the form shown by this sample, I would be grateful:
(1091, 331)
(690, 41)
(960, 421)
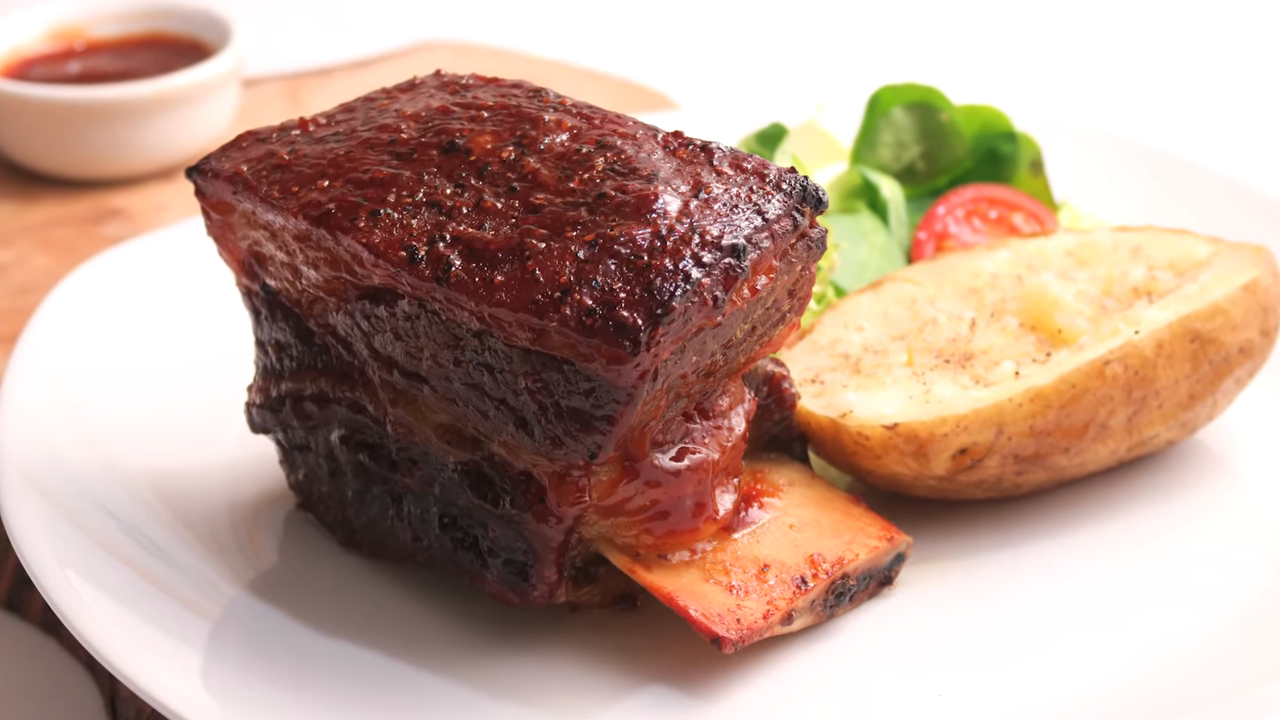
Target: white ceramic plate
(160, 530)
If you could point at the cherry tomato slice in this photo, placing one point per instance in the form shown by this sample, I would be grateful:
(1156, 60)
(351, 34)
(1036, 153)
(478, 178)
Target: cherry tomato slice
(978, 213)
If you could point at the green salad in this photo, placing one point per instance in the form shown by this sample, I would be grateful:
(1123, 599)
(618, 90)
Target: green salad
(923, 175)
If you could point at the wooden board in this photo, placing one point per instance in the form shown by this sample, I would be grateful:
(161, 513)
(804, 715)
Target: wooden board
(48, 227)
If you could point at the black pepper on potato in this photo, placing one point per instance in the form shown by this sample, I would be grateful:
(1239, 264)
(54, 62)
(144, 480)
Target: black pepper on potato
(1017, 366)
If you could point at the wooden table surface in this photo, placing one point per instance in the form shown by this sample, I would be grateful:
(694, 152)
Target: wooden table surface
(47, 228)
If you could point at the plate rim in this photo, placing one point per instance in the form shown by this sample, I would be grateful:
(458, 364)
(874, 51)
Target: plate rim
(39, 559)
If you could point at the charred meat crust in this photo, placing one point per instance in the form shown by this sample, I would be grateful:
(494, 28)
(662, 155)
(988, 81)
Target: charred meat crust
(630, 258)
(413, 498)
(395, 499)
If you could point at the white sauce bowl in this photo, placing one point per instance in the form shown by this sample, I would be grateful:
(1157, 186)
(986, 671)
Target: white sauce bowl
(117, 130)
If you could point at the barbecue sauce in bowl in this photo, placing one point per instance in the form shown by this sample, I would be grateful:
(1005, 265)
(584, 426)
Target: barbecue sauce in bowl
(87, 61)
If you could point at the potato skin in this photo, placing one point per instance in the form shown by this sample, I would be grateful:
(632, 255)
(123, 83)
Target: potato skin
(1145, 395)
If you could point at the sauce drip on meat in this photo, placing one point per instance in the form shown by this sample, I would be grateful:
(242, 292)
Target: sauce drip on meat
(87, 61)
(686, 485)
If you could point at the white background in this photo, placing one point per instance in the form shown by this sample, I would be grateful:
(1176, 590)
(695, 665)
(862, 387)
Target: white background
(1197, 80)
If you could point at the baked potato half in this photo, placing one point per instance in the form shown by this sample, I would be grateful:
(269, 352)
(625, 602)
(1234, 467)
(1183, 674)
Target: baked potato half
(1017, 366)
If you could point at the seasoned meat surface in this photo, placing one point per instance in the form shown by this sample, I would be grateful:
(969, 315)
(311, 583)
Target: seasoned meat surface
(495, 325)
(563, 227)
(408, 498)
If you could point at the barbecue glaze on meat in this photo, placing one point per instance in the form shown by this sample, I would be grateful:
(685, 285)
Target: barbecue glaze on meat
(496, 326)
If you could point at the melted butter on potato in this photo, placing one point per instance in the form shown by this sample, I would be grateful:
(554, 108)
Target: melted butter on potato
(997, 370)
(936, 331)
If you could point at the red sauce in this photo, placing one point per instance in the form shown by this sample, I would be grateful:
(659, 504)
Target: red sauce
(104, 60)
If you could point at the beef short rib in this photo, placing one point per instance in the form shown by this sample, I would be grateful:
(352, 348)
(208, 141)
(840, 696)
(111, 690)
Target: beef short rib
(494, 323)
(498, 329)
